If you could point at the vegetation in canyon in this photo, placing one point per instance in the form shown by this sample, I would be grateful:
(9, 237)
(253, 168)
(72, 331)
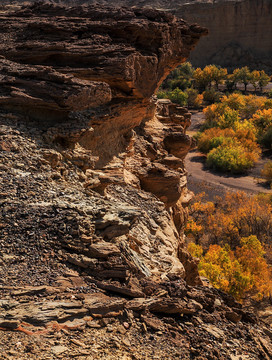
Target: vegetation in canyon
(231, 237)
(237, 125)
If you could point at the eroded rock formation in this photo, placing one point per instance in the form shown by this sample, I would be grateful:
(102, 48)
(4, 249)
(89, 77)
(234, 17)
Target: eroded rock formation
(240, 31)
(93, 192)
(83, 78)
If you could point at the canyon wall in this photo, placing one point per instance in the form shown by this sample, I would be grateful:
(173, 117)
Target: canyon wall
(80, 138)
(240, 31)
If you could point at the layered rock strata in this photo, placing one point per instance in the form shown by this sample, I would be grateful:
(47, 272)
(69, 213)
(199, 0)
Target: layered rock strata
(93, 192)
(240, 31)
(78, 81)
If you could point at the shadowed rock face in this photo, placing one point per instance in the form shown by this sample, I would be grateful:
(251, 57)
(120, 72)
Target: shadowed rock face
(59, 60)
(78, 81)
(240, 31)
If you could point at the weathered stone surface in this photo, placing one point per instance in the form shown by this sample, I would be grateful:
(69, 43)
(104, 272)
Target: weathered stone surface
(153, 323)
(58, 349)
(44, 93)
(131, 289)
(239, 31)
(215, 332)
(102, 304)
(117, 49)
(233, 316)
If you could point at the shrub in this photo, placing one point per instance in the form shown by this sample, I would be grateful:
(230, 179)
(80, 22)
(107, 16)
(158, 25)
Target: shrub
(235, 215)
(195, 250)
(211, 96)
(194, 98)
(267, 104)
(180, 83)
(235, 101)
(262, 120)
(214, 137)
(252, 104)
(228, 119)
(237, 272)
(267, 171)
(212, 113)
(161, 94)
(181, 77)
(176, 96)
(266, 138)
(231, 158)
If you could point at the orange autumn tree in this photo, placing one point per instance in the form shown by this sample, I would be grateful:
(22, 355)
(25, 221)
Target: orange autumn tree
(251, 257)
(240, 272)
(230, 218)
(230, 238)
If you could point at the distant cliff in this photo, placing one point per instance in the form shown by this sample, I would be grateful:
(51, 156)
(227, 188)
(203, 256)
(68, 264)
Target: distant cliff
(240, 32)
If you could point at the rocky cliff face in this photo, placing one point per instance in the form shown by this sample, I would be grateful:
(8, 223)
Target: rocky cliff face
(93, 193)
(240, 31)
(83, 78)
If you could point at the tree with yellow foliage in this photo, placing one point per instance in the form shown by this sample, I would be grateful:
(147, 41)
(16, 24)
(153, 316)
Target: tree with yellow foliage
(254, 79)
(239, 272)
(211, 73)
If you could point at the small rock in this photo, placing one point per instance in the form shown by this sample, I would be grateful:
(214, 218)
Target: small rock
(126, 325)
(109, 328)
(78, 343)
(59, 349)
(233, 316)
(126, 342)
(121, 330)
(93, 324)
(215, 331)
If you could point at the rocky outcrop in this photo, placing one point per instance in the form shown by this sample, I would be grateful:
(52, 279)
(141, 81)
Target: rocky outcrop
(240, 31)
(93, 193)
(78, 82)
(118, 55)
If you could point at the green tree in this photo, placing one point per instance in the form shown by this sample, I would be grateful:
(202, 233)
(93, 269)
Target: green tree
(254, 79)
(263, 80)
(201, 79)
(230, 82)
(218, 74)
(242, 75)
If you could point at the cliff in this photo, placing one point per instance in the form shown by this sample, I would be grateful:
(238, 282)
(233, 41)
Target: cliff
(93, 194)
(240, 31)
